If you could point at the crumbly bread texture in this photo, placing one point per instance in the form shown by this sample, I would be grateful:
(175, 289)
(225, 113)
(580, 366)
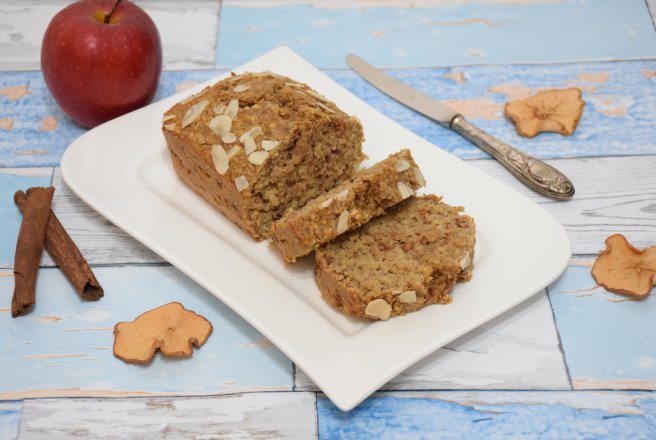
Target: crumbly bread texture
(258, 144)
(348, 206)
(399, 262)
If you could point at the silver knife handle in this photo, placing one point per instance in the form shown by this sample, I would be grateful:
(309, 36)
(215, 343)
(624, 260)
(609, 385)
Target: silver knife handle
(538, 175)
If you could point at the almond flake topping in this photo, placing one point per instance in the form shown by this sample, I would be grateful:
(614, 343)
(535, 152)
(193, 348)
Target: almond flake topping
(249, 144)
(401, 165)
(326, 203)
(194, 112)
(228, 138)
(316, 95)
(343, 222)
(342, 195)
(465, 261)
(269, 145)
(420, 177)
(252, 132)
(234, 151)
(169, 127)
(295, 85)
(404, 189)
(232, 109)
(241, 88)
(258, 157)
(328, 109)
(378, 308)
(408, 297)
(168, 118)
(219, 109)
(241, 183)
(221, 125)
(220, 159)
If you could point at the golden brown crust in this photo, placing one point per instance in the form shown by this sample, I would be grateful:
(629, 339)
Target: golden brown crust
(419, 246)
(304, 143)
(348, 206)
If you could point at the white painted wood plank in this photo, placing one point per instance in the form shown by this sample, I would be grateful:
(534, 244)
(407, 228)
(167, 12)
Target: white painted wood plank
(613, 195)
(99, 240)
(188, 33)
(518, 350)
(240, 416)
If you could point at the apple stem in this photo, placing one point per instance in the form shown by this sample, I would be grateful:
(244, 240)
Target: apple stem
(109, 16)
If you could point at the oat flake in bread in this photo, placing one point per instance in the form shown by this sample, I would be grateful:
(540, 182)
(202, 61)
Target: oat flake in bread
(399, 262)
(257, 144)
(348, 206)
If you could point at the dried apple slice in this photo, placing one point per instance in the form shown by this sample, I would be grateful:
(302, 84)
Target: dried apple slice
(170, 328)
(556, 111)
(622, 268)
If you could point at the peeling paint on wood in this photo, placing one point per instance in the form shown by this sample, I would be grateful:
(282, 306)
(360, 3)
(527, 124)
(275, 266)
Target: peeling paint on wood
(479, 360)
(48, 123)
(7, 124)
(613, 195)
(607, 343)
(458, 77)
(502, 414)
(235, 351)
(460, 33)
(259, 415)
(14, 92)
(477, 108)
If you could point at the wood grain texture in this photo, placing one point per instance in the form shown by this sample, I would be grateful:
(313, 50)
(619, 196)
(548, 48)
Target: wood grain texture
(607, 339)
(188, 34)
(240, 416)
(617, 119)
(460, 33)
(10, 414)
(480, 359)
(64, 346)
(494, 415)
(620, 105)
(98, 239)
(613, 195)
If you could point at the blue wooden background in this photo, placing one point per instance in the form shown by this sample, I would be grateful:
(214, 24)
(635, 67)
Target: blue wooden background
(474, 54)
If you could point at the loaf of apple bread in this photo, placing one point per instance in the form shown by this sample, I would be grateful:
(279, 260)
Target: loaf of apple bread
(348, 206)
(257, 144)
(399, 262)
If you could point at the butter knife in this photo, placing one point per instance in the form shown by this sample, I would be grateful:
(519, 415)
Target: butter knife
(534, 173)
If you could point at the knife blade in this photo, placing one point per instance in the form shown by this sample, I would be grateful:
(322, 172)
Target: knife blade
(534, 173)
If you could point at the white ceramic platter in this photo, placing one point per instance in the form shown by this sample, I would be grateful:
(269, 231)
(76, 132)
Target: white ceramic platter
(123, 170)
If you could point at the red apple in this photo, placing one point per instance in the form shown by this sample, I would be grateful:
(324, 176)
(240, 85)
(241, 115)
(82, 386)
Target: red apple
(101, 59)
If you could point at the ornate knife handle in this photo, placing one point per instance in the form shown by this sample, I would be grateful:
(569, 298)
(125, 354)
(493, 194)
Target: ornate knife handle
(536, 174)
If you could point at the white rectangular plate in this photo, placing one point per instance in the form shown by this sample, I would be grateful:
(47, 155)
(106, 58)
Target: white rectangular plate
(123, 170)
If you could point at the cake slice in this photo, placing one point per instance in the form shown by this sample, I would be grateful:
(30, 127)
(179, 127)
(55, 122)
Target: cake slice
(348, 206)
(258, 144)
(399, 262)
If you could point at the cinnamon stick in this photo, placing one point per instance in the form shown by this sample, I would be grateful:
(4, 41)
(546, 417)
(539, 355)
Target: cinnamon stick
(67, 255)
(29, 248)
